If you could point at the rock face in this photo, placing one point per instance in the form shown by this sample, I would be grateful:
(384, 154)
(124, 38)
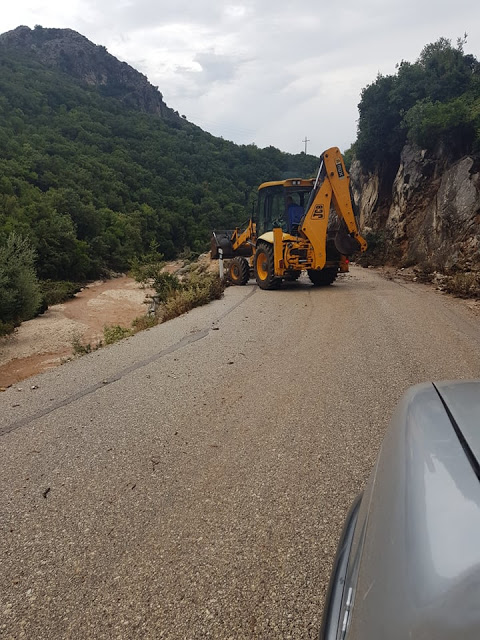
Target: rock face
(72, 53)
(431, 215)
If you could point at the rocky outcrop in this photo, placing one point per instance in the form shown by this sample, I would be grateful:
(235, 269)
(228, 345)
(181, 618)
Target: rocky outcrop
(432, 217)
(72, 53)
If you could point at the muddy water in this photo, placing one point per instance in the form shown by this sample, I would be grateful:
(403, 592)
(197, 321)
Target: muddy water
(46, 341)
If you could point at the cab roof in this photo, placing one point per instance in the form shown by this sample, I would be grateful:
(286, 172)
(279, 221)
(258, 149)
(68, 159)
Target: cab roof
(291, 182)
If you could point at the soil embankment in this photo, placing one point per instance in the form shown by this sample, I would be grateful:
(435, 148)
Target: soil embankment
(46, 341)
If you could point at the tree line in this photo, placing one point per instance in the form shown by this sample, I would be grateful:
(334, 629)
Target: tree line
(433, 102)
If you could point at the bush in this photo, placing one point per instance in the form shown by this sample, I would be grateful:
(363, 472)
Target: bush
(80, 349)
(376, 252)
(6, 328)
(57, 291)
(197, 291)
(115, 333)
(453, 121)
(464, 285)
(152, 274)
(19, 288)
(165, 285)
(144, 322)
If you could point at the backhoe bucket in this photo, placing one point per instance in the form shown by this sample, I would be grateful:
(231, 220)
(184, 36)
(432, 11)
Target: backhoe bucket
(345, 244)
(221, 240)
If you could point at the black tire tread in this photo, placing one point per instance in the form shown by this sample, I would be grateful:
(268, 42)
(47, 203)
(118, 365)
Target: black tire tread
(322, 278)
(271, 282)
(239, 271)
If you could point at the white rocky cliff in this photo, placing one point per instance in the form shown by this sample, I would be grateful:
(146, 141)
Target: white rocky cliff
(430, 216)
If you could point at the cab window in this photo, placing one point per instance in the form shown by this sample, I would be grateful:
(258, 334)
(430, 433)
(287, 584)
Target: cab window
(271, 210)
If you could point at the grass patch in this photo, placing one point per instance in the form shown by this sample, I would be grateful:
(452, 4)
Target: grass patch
(175, 296)
(112, 334)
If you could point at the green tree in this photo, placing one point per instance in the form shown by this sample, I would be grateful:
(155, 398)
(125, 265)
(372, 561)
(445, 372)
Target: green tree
(20, 296)
(435, 100)
(453, 122)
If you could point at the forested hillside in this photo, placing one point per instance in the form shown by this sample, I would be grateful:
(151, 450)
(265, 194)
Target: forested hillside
(93, 183)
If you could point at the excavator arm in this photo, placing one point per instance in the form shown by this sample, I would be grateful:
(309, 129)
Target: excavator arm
(233, 243)
(332, 184)
(246, 238)
(342, 199)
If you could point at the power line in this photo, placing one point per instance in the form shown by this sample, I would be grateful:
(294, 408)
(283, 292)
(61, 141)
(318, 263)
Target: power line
(305, 141)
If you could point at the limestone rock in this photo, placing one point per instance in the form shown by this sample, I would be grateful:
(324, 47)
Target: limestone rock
(432, 215)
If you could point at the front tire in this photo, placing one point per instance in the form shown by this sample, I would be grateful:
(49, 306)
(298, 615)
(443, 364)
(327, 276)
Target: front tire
(263, 266)
(239, 271)
(322, 278)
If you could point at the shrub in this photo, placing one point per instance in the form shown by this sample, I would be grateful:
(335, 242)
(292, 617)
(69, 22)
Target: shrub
(452, 121)
(464, 285)
(115, 333)
(144, 322)
(187, 255)
(19, 289)
(377, 249)
(6, 328)
(57, 291)
(165, 285)
(197, 291)
(80, 349)
(152, 274)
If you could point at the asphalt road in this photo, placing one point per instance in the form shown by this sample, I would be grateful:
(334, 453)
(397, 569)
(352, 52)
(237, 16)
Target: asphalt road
(192, 481)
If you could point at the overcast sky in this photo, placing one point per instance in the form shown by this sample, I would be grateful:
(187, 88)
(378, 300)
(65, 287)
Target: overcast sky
(262, 71)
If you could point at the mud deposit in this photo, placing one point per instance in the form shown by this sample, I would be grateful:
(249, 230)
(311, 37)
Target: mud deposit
(46, 341)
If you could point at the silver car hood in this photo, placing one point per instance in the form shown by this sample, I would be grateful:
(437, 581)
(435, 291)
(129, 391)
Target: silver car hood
(415, 562)
(462, 403)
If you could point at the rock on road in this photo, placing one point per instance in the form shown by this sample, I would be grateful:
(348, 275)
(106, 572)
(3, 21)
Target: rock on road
(192, 481)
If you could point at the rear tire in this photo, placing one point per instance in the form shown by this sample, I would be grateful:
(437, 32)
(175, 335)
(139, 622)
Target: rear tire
(322, 278)
(263, 267)
(239, 271)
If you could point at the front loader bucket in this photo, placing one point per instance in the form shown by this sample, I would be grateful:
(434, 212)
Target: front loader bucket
(221, 240)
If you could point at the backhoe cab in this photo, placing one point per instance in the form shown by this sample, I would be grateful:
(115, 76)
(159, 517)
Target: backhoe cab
(290, 231)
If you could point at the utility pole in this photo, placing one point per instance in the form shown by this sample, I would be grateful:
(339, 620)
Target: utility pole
(305, 141)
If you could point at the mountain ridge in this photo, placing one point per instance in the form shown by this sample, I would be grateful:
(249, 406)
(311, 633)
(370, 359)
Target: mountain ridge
(72, 53)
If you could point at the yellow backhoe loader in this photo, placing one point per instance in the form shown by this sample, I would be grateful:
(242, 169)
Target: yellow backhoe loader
(290, 230)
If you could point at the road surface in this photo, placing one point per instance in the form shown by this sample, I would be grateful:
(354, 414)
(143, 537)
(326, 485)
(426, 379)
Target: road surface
(192, 481)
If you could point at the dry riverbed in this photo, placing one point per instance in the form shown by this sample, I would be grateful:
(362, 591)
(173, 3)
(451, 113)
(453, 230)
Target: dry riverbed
(46, 341)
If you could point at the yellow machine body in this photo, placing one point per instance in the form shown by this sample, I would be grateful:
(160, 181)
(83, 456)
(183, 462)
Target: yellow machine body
(285, 247)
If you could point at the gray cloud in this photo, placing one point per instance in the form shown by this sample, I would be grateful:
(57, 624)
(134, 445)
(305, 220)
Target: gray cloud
(215, 67)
